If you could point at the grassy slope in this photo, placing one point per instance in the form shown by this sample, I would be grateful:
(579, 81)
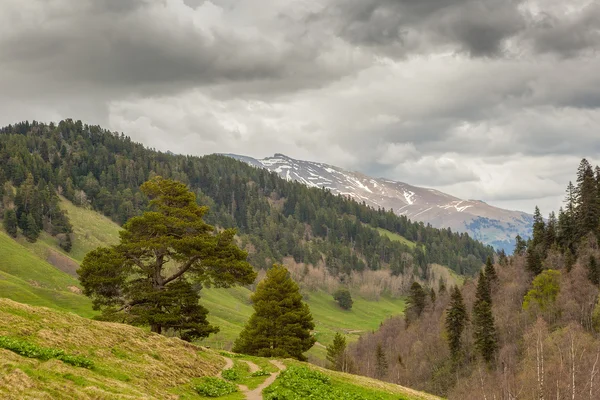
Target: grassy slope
(230, 308)
(129, 362)
(396, 237)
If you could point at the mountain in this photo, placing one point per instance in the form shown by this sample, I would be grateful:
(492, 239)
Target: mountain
(489, 224)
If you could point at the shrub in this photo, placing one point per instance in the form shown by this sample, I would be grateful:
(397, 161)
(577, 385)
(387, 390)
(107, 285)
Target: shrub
(231, 374)
(30, 350)
(215, 387)
(260, 372)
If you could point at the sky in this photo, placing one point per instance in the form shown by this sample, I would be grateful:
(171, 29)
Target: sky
(495, 100)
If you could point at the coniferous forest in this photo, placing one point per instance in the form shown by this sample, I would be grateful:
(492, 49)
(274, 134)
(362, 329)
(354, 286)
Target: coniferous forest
(274, 218)
(528, 326)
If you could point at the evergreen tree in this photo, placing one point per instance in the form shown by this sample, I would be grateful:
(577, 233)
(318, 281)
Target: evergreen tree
(281, 323)
(132, 282)
(432, 295)
(343, 298)
(534, 260)
(32, 231)
(490, 273)
(520, 246)
(456, 319)
(415, 304)
(484, 329)
(551, 227)
(336, 354)
(381, 364)
(539, 228)
(10, 222)
(586, 212)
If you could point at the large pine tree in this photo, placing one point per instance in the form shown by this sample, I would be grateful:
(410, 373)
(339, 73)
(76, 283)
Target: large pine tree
(587, 215)
(147, 278)
(281, 323)
(456, 319)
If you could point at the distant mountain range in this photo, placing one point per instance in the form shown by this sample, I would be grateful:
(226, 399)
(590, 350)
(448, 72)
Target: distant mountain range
(489, 224)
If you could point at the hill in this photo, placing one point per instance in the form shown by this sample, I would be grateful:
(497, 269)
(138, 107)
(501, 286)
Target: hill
(275, 218)
(491, 225)
(90, 360)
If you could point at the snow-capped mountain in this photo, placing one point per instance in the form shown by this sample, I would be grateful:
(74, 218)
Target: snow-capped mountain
(491, 225)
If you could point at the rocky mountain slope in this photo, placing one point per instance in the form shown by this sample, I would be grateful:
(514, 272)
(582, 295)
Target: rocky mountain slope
(491, 225)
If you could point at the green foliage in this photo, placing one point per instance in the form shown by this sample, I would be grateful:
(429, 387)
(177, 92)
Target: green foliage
(456, 319)
(129, 282)
(336, 353)
(215, 387)
(593, 270)
(30, 350)
(103, 170)
(299, 383)
(490, 273)
(10, 222)
(231, 374)
(381, 364)
(416, 301)
(344, 298)
(545, 289)
(281, 323)
(484, 327)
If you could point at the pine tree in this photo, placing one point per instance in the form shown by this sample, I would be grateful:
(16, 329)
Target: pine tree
(415, 304)
(551, 227)
(484, 329)
(539, 228)
(336, 354)
(490, 273)
(281, 323)
(456, 319)
(10, 222)
(381, 364)
(520, 246)
(31, 232)
(533, 260)
(586, 212)
(146, 278)
(343, 298)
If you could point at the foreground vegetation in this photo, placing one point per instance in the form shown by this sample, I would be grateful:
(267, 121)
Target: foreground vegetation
(129, 362)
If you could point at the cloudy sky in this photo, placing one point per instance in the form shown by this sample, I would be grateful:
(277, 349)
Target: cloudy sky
(487, 99)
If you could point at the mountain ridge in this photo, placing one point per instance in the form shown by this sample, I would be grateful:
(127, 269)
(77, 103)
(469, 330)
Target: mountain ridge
(492, 225)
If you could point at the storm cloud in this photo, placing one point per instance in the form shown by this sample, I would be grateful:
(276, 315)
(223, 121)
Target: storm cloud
(490, 99)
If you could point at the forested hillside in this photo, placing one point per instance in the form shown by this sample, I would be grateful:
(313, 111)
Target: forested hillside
(527, 327)
(95, 168)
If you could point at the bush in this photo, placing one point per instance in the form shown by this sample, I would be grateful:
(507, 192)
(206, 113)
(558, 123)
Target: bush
(344, 299)
(30, 350)
(231, 374)
(215, 387)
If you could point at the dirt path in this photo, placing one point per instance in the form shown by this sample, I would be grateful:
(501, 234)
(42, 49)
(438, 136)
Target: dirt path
(256, 394)
(228, 365)
(253, 367)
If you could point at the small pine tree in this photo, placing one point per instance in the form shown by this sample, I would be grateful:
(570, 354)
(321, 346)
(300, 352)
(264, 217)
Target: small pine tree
(336, 354)
(520, 246)
(281, 323)
(456, 319)
(416, 300)
(569, 260)
(483, 289)
(533, 261)
(381, 364)
(343, 298)
(10, 222)
(31, 232)
(490, 273)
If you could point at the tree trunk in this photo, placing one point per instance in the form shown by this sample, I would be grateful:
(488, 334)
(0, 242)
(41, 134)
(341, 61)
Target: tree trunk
(156, 328)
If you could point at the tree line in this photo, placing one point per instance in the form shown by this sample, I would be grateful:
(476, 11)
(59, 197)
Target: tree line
(528, 326)
(274, 218)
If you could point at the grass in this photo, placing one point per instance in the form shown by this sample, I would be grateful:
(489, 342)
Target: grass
(395, 237)
(145, 365)
(231, 308)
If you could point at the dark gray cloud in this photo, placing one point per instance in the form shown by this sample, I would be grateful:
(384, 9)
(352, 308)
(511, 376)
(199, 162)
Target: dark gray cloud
(404, 26)
(489, 99)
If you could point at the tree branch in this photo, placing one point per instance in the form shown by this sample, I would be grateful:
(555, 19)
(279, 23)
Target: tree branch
(182, 270)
